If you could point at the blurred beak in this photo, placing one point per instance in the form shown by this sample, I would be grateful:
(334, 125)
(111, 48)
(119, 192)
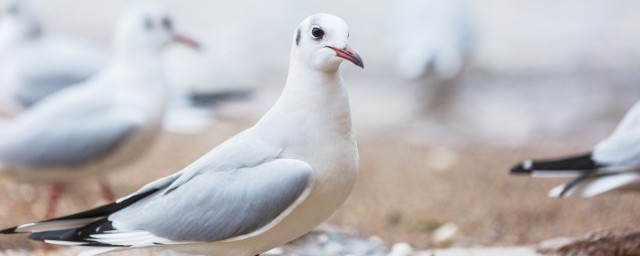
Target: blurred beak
(185, 40)
(348, 54)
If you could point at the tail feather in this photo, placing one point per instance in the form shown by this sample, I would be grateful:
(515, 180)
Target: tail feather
(564, 167)
(608, 183)
(79, 219)
(596, 184)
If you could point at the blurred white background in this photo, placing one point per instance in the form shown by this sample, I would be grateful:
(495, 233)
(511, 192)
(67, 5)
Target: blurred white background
(540, 67)
(513, 36)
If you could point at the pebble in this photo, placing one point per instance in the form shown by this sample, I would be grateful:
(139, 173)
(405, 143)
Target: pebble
(446, 235)
(441, 158)
(401, 249)
(335, 243)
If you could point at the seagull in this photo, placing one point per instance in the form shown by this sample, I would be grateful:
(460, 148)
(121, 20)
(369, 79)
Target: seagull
(33, 63)
(107, 122)
(613, 164)
(264, 187)
(435, 38)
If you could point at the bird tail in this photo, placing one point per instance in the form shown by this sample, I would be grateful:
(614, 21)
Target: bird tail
(579, 165)
(596, 184)
(207, 99)
(77, 229)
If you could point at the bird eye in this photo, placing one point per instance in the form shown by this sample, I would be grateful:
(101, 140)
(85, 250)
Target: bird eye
(167, 23)
(317, 33)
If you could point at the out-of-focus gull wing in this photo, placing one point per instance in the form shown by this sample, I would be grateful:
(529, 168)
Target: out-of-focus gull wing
(65, 142)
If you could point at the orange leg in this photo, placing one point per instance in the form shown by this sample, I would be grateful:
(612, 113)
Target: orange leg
(105, 189)
(53, 194)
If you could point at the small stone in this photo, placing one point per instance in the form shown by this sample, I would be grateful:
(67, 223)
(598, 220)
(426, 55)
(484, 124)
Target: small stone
(441, 158)
(333, 248)
(401, 249)
(376, 240)
(446, 235)
(323, 238)
(275, 251)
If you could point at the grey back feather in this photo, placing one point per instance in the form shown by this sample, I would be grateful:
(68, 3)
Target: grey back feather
(66, 143)
(34, 89)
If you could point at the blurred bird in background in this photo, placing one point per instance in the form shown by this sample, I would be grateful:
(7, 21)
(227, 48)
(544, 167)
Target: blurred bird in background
(435, 40)
(34, 63)
(613, 164)
(100, 125)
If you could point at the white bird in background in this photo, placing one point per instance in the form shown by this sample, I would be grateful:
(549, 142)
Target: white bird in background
(89, 129)
(34, 63)
(262, 188)
(435, 38)
(613, 164)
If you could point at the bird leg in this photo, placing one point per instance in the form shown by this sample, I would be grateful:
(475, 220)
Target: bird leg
(105, 189)
(53, 194)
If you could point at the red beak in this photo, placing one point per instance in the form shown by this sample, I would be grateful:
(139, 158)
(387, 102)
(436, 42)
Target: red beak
(188, 41)
(348, 54)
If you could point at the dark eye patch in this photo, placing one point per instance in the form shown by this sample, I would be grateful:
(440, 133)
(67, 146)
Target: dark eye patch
(167, 23)
(317, 33)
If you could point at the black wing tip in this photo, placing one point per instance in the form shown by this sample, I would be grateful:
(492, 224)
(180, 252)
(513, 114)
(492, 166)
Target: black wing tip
(583, 162)
(521, 169)
(9, 231)
(78, 235)
(48, 235)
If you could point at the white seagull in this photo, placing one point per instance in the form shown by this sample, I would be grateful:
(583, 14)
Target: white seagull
(34, 63)
(263, 187)
(613, 164)
(91, 128)
(435, 38)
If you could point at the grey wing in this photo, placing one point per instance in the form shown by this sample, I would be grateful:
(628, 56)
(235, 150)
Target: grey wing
(52, 65)
(213, 206)
(66, 142)
(38, 86)
(623, 146)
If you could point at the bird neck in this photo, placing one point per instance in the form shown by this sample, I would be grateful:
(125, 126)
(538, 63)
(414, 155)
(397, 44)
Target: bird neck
(314, 102)
(139, 60)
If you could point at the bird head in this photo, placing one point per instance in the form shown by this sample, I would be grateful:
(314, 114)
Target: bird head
(148, 28)
(21, 18)
(321, 41)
